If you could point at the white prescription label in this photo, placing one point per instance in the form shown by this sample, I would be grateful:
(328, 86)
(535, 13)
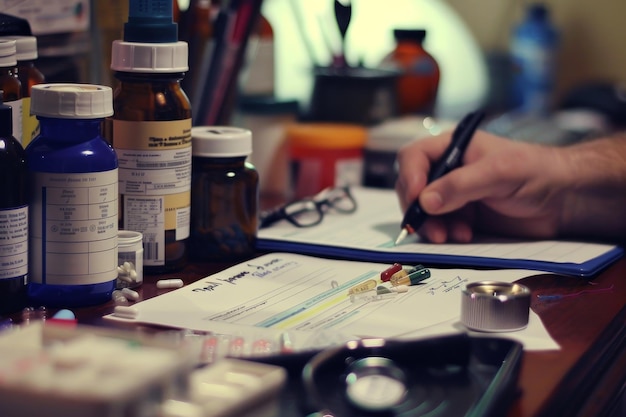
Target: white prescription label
(155, 181)
(74, 228)
(155, 172)
(13, 242)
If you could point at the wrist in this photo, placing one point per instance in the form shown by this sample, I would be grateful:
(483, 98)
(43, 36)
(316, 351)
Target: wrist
(595, 188)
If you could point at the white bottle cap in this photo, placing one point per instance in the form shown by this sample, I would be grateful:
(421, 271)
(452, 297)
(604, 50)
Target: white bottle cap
(26, 47)
(7, 53)
(71, 101)
(149, 57)
(221, 141)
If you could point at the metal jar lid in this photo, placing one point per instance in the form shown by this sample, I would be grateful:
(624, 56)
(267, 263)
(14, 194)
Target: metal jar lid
(492, 306)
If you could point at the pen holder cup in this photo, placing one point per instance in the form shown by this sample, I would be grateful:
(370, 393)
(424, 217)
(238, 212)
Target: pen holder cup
(365, 96)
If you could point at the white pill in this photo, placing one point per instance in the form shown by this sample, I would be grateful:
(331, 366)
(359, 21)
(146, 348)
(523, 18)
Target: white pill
(400, 288)
(124, 277)
(125, 312)
(119, 298)
(169, 283)
(131, 294)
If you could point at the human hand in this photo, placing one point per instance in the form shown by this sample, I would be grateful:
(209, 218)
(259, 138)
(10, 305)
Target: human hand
(503, 187)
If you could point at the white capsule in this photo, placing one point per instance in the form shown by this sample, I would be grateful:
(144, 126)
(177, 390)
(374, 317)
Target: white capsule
(119, 298)
(169, 283)
(125, 277)
(130, 294)
(125, 312)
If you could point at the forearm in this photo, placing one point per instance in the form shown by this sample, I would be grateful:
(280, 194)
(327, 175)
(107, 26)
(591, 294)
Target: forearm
(595, 196)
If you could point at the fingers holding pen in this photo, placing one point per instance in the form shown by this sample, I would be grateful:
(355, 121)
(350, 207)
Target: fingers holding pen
(448, 228)
(414, 162)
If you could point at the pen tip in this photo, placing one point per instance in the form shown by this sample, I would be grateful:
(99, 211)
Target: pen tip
(401, 236)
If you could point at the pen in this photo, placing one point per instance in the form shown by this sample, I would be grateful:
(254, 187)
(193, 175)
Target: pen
(415, 216)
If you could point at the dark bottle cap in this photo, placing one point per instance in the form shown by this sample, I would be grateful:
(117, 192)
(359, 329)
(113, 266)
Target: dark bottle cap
(538, 11)
(150, 22)
(416, 35)
(14, 26)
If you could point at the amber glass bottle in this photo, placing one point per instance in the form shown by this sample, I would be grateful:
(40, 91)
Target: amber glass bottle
(13, 217)
(10, 84)
(152, 136)
(29, 75)
(224, 194)
(419, 72)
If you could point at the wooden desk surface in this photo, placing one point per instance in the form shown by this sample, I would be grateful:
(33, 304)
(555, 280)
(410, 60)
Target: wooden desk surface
(582, 379)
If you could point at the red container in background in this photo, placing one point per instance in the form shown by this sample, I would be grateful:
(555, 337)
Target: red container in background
(324, 155)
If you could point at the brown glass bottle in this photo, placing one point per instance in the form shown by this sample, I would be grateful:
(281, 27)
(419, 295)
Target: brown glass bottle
(10, 84)
(224, 195)
(418, 82)
(151, 133)
(29, 75)
(13, 217)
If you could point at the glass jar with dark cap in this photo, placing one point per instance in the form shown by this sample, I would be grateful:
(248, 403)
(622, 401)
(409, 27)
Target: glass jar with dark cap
(224, 194)
(419, 72)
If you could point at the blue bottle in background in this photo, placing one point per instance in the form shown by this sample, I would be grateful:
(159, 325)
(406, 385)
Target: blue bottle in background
(73, 181)
(533, 51)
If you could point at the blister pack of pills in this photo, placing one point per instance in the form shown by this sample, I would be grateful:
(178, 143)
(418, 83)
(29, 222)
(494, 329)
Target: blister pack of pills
(53, 370)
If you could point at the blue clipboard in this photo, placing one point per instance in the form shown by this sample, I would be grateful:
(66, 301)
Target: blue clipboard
(586, 269)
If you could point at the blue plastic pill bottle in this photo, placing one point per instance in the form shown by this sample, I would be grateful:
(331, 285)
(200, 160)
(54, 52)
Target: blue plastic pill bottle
(73, 181)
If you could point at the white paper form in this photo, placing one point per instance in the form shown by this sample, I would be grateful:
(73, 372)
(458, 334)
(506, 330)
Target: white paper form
(283, 292)
(370, 232)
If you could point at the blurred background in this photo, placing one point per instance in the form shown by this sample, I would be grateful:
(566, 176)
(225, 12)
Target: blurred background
(591, 37)
(341, 61)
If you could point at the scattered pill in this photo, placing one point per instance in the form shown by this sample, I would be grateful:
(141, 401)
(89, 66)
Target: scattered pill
(411, 276)
(398, 276)
(169, 283)
(119, 298)
(368, 285)
(371, 296)
(387, 273)
(400, 288)
(125, 312)
(382, 290)
(130, 294)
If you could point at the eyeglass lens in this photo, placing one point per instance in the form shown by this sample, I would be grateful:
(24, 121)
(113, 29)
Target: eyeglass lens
(303, 213)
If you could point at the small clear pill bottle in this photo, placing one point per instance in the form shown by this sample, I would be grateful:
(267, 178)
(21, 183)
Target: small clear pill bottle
(129, 259)
(73, 183)
(224, 194)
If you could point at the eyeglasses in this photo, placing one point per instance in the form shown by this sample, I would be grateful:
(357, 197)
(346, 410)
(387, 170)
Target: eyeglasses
(308, 212)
